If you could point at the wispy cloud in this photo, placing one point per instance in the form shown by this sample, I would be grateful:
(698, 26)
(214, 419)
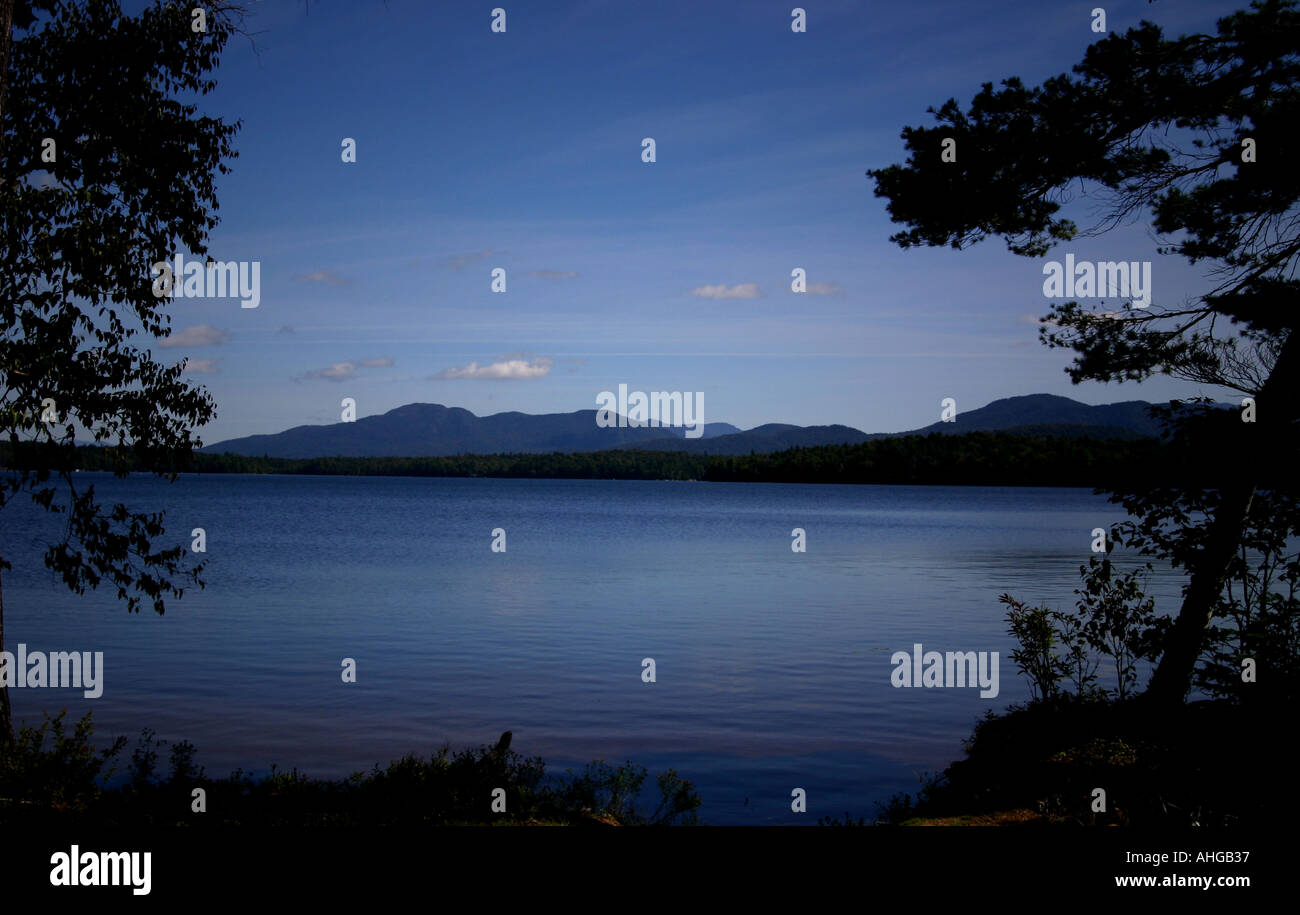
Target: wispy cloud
(511, 370)
(342, 371)
(339, 371)
(198, 335)
(201, 366)
(824, 288)
(323, 276)
(460, 260)
(722, 291)
(554, 274)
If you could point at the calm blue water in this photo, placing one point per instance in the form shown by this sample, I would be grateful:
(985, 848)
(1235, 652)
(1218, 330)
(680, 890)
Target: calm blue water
(773, 666)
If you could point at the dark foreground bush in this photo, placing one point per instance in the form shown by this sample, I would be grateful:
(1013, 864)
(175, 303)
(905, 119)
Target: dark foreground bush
(1206, 763)
(48, 776)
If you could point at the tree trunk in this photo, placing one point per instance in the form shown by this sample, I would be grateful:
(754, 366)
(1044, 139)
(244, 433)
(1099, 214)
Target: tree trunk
(1276, 412)
(1173, 676)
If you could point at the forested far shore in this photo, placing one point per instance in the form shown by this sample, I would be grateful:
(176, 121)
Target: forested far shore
(977, 458)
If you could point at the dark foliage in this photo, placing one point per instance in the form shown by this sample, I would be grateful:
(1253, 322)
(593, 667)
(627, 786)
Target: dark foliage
(48, 777)
(976, 458)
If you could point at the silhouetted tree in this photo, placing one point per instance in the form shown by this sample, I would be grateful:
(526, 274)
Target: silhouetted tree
(1198, 133)
(128, 180)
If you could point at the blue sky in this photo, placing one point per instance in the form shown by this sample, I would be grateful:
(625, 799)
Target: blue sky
(522, 150)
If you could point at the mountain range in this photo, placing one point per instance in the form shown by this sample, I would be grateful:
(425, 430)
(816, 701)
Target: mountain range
(433, 430)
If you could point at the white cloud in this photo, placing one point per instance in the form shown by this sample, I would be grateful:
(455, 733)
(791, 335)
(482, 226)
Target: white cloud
(200, 366)
(721, 291)
(342, 371)
(513, 369)
(339, 371)
(198, 335)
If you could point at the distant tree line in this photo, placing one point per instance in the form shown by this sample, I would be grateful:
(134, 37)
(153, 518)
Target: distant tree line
(977, 458)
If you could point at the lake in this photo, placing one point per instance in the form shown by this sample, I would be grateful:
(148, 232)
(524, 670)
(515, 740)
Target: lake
(772, 666)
